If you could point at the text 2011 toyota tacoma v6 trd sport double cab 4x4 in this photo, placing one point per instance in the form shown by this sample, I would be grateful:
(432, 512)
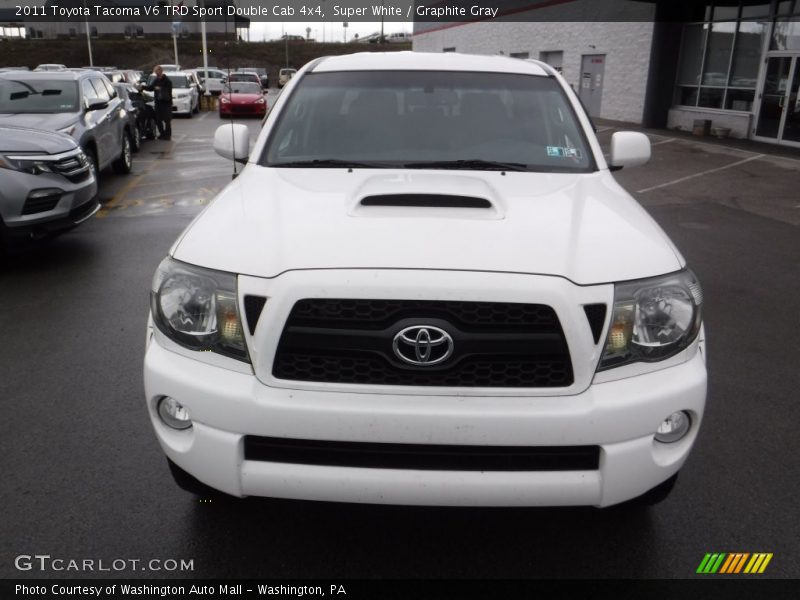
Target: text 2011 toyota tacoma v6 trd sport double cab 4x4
(426, 287)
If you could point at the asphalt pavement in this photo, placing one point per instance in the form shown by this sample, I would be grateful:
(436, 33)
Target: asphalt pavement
(83, 476)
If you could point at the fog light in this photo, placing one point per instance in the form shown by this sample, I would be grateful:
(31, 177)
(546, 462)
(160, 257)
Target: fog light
(674, 427)
(173, 413)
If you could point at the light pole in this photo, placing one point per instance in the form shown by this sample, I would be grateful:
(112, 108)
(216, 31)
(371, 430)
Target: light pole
(285, 43)
(175, 42)
(205, 52)
(88, 37)
(344, 29)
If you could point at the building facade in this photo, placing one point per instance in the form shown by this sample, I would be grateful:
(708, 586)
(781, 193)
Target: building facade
(661, 63)
(38, 28)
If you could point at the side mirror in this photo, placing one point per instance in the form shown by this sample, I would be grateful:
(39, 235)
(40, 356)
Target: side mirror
(233, 142)
(96, 104)
(629, 149)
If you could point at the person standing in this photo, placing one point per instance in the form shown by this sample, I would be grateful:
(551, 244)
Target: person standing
(161, 87)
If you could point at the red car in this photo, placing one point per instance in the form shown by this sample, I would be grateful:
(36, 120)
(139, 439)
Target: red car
(242, 99)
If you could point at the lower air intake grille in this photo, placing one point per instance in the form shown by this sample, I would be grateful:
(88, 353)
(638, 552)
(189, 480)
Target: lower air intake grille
(41, 204)
(422, 456)
(494, 344)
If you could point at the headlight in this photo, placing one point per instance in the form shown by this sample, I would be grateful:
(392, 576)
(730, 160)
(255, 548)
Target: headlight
(197, 308)
(260, 101)
(20, 163)
(224, 100)
(653, 319)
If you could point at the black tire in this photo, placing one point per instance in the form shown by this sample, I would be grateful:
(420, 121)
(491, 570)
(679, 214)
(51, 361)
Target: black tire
(191, 484)
(136, 139)
(124, 163)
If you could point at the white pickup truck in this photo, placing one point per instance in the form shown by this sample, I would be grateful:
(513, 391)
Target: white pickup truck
(426, 287)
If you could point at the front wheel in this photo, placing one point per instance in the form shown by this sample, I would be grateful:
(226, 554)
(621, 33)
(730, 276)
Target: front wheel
(124, 163)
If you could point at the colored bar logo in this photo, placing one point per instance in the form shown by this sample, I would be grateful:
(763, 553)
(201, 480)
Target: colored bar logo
(733, 563)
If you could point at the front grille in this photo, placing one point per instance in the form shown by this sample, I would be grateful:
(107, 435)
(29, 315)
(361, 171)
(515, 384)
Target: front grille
(75, 168)
(422, 456)
(495, 344)
(376, 314)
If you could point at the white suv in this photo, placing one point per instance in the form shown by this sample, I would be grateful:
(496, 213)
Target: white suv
(426, 287)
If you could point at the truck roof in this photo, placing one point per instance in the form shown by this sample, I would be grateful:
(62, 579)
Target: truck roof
(429, 61)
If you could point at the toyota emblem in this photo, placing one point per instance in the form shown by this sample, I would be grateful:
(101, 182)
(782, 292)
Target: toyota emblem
(422, 345)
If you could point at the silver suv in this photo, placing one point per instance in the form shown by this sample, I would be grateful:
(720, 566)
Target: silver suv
(81, 104)
(47, 184)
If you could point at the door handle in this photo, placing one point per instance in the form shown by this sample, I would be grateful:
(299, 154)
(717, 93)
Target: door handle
(781, 101)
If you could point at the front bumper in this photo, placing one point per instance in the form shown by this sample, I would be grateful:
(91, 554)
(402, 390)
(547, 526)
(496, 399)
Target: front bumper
(619, 416)
(243, 110)
(76, 204)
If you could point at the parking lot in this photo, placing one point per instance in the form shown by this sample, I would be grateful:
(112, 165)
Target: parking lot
(85, 478)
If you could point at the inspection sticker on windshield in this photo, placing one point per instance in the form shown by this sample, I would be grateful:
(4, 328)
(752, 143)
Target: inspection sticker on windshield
(558, 151)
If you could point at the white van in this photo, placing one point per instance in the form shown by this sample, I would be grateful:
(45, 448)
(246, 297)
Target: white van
(285, 75)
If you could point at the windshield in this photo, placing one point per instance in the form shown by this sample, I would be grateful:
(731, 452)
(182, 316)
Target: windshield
(243, 87)
(417, 119)
(179, 81)
(38, 96)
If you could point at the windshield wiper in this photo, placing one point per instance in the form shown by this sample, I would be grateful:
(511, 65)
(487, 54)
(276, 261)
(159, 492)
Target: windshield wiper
(474, 163)
(324, 163)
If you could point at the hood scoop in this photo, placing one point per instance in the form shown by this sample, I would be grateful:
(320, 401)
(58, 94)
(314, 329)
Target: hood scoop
(426, 195)
(426, 200)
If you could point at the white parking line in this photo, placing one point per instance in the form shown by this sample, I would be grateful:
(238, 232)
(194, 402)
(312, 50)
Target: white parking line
(664, 141)
(700, 174)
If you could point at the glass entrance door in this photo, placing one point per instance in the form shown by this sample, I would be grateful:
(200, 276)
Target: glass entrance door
(779, 113)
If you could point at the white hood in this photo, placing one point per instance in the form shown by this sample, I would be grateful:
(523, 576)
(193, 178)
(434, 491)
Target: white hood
(584, 227)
